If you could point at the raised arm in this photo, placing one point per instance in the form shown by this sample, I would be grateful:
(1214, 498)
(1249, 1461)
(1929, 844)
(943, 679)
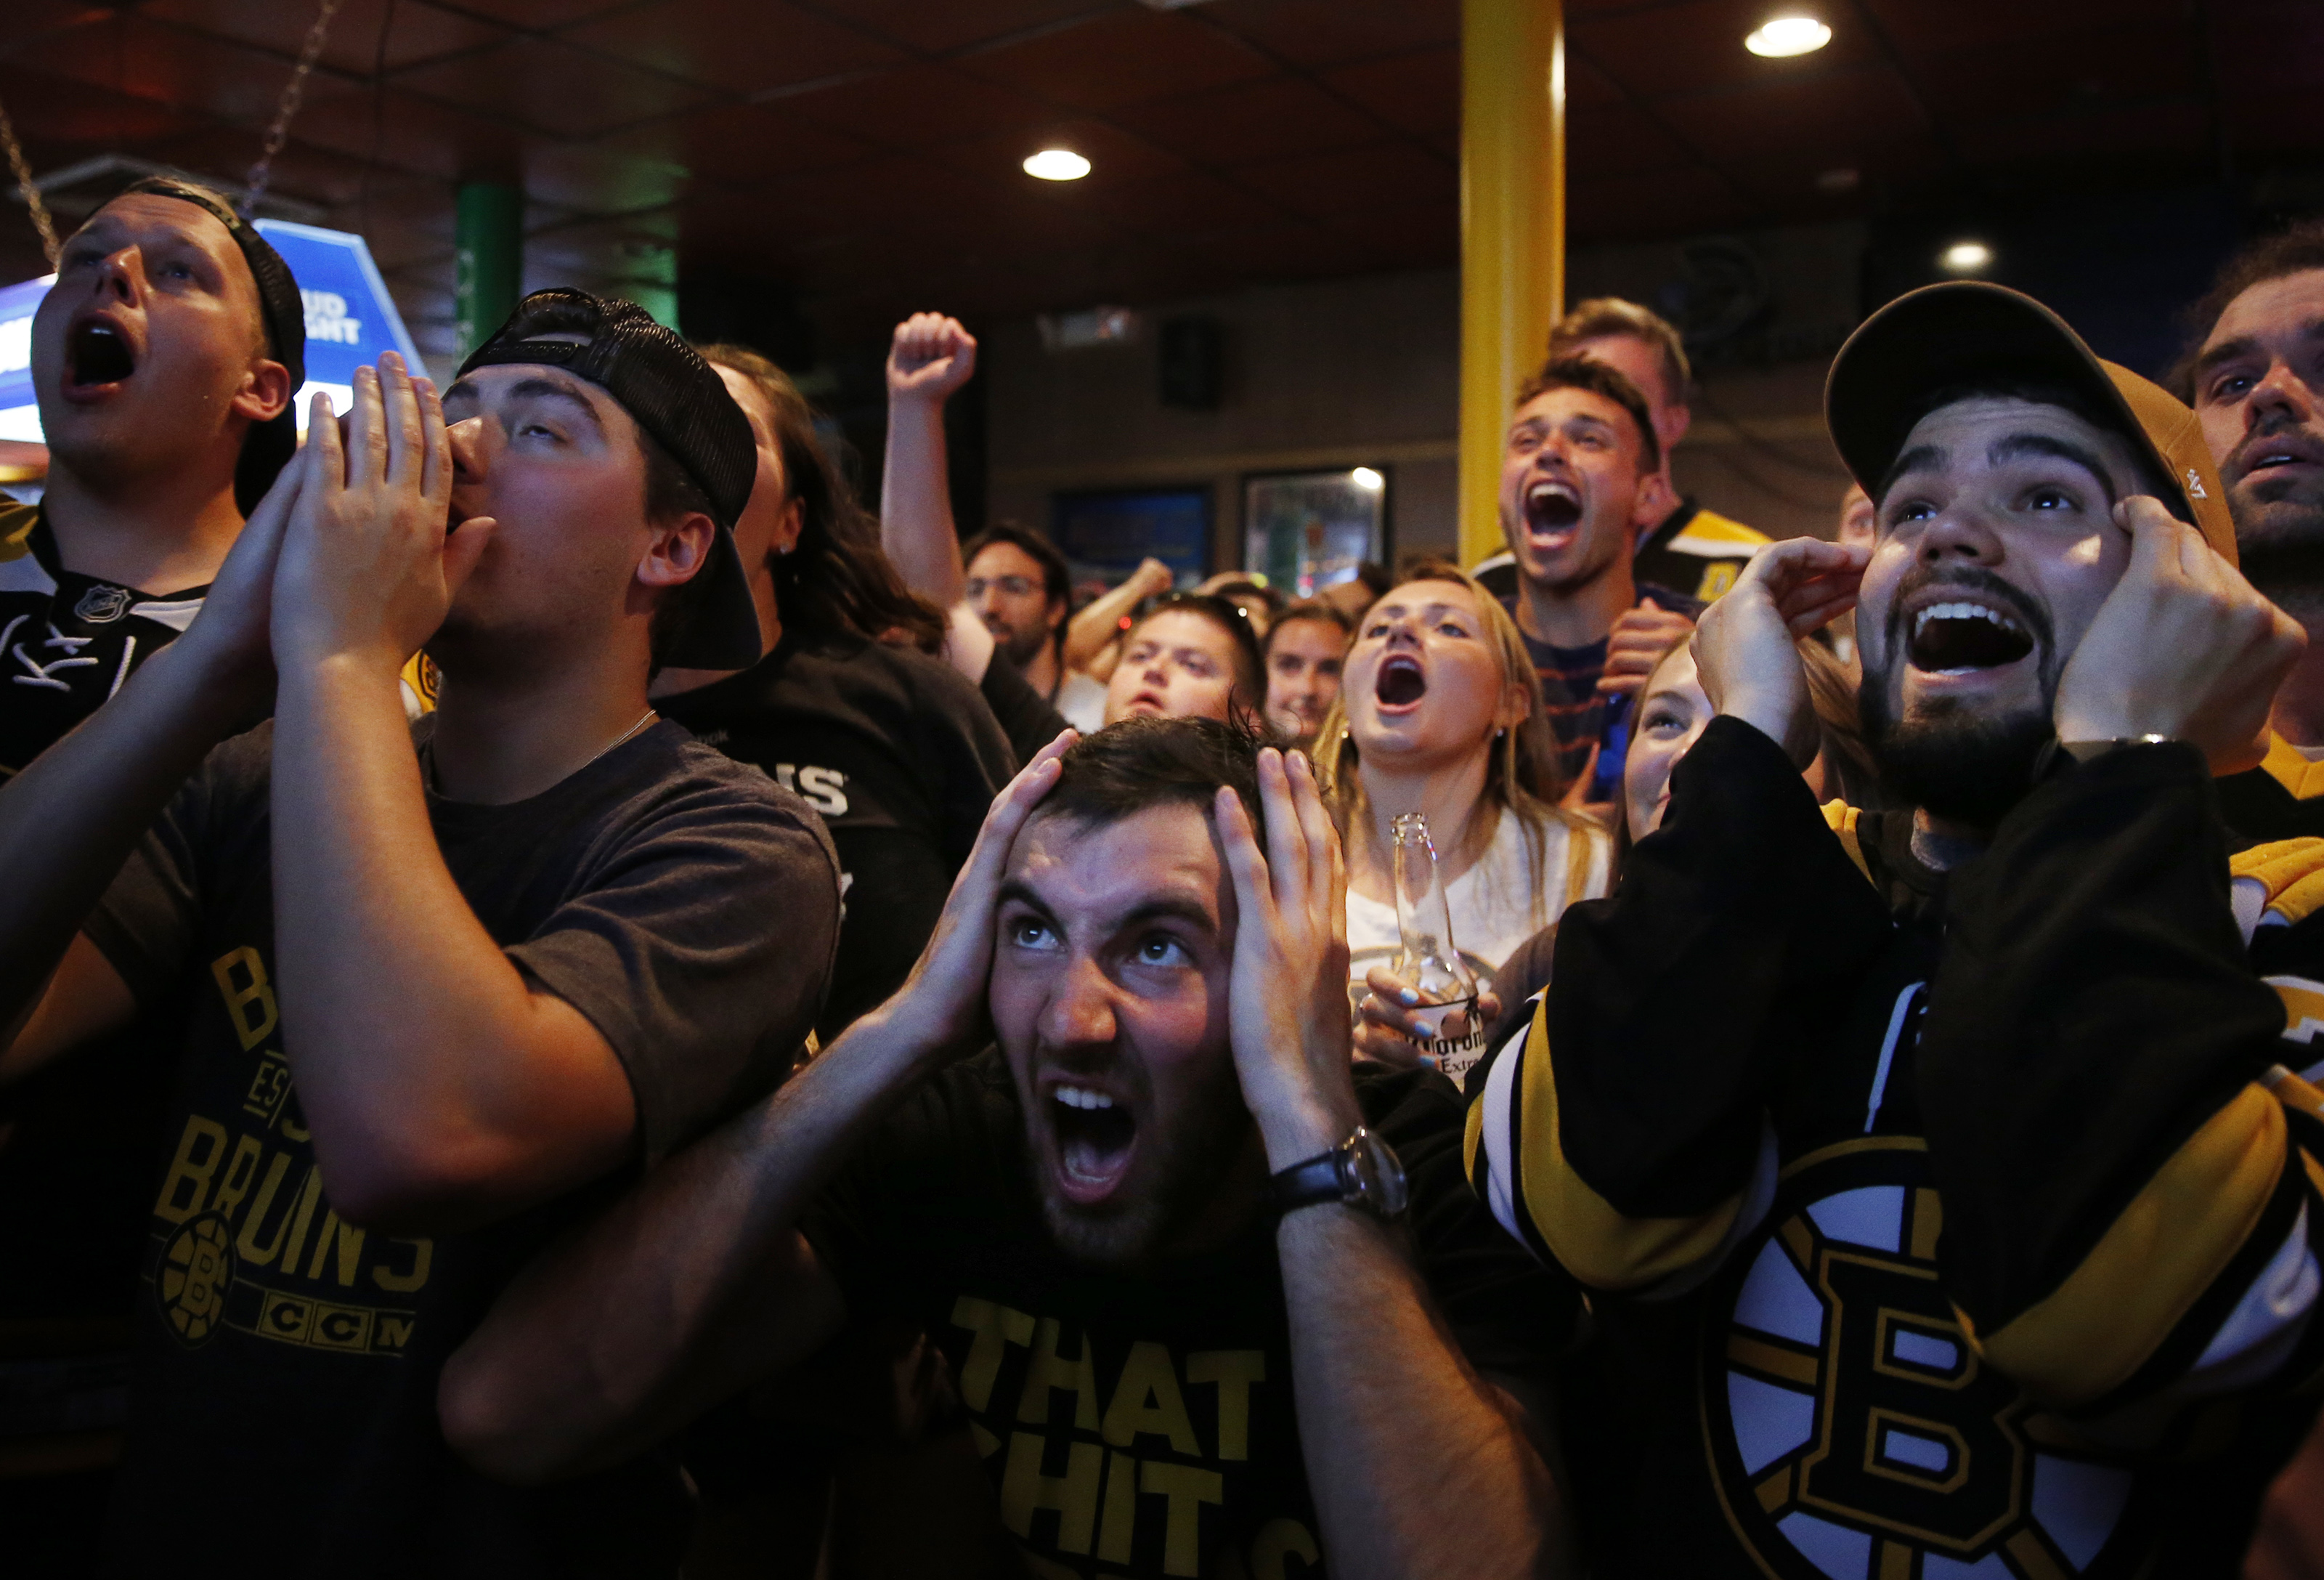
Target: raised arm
(1098, 621)
(930, 357)
(71, 818)
(1416, 1465)
(699, 1280)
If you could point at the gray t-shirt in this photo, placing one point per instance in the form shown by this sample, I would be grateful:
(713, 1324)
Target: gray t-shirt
(288, 1361)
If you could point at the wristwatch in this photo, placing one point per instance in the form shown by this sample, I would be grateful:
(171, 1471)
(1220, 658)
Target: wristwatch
(2057, 756)
(1362, 1172)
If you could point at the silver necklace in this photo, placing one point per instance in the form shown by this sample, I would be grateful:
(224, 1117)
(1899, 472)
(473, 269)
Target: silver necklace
(645, 719)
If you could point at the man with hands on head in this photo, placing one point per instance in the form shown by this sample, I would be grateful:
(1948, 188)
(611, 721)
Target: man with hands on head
(1216, 1299)
(1941, 1195)
(433, 1003)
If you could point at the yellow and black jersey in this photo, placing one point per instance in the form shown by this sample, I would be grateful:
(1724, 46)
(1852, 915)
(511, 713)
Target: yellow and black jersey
(2281, 798)
(1940, 1225)
(1698, 551)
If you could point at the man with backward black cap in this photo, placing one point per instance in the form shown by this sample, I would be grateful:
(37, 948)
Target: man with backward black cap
(439, 1002)
(1949, 1210)
(165, 360)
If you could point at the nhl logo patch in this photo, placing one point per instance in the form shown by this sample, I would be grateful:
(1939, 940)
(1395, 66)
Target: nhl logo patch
(103, 603)
(1855, 1434)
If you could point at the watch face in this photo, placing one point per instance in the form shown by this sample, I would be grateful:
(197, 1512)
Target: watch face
(1379, 1174)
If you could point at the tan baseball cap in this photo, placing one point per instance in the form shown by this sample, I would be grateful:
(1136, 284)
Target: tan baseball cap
(1967, 330)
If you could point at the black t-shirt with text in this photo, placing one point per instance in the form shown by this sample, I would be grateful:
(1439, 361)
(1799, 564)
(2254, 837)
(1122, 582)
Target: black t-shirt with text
(902, 759)
(284, 1414)
(1144, 1426)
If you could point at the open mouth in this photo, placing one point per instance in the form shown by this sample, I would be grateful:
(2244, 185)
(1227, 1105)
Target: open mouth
(97, 354)
(1401, 681)
(1095, 1138)
(1552, 507)
(1152, 702)
(1962, 634)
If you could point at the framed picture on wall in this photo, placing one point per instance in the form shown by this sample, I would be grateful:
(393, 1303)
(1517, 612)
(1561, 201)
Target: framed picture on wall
(1309, 530)
(1104, 533)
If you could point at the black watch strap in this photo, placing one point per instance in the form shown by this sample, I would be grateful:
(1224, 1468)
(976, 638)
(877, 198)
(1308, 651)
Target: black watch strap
(1303, 1184)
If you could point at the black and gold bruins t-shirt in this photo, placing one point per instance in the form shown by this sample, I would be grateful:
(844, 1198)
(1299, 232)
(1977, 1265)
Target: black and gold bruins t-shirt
(902, 758)
(284, 1403)
(68, 640)
(1144, 1426)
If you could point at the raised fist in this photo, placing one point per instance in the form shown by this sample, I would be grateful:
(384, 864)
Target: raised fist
(930, 357)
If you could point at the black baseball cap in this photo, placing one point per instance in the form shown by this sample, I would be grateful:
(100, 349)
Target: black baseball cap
(269, 446)
(1968, 330)
(672, 393)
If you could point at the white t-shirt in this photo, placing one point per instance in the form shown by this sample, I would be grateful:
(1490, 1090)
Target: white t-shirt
(1082, 701)
(1515, 889)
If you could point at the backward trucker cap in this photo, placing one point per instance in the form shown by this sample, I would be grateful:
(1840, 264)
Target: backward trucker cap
(664, 384)
(1968, 330)
(269, 446)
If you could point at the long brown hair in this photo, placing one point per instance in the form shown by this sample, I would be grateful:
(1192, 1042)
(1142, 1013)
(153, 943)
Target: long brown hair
(837, 578)
(1521, 772)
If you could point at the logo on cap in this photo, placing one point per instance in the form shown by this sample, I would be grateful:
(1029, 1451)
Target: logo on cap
(2195, 484)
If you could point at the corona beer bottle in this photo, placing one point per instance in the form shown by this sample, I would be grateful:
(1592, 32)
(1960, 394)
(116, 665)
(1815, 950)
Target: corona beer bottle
(1427, 959)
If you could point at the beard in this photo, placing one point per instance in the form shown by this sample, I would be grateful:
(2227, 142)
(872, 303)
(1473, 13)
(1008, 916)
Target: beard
(1178, 1182)
(1946, 758)
(1022, 646)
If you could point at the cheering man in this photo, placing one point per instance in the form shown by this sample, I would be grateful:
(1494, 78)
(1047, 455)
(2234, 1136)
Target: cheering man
(1926, 1162)
(1172, 1364)
(164, 361)
(428, 1004)
(2257, 379)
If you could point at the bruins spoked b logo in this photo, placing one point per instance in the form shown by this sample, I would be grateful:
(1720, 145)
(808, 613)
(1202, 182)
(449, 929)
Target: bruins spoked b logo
(1853, 1434)
(196, 1266)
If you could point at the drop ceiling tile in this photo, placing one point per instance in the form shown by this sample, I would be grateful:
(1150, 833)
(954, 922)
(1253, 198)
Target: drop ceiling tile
(1331, 32)
(1698, 45)
(27, 21)
(1421, 237)
(2002, 26)
(916, 106)
(725, 146)
(1119, 59)
(1586, 85)
(1187, 203)
(167, 65)
(742, 46)
(1675, 203)
(1619, 139)
(412, 134)
(545, 13)
(1975, 90)
(1777, 131)
(2120, 135)
(417, 31)
(1418, 93)
(943, 28)
(61, 120)
(552, 87)
(1274, 119)
(1355, 180)
(2273, 48)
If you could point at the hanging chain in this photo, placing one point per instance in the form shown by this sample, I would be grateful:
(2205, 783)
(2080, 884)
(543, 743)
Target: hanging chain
(254, 186)
(23, 172)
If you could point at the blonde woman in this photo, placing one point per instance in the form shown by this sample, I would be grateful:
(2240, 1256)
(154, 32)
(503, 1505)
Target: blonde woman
(1440, 713)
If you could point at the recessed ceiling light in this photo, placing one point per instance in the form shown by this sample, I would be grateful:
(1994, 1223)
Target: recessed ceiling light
(1057, 164)
(1788, 35)
(1965, 257)
(1365, 478)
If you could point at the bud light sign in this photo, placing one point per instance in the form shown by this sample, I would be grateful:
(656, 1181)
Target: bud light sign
(350, 320)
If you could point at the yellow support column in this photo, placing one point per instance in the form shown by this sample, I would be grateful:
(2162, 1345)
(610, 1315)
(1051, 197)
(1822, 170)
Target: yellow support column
(1512, 231)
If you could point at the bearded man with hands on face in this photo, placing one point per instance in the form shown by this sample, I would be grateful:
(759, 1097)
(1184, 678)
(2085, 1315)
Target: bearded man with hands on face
(439, 986)
(1949, 1210)
(1216, 1300)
